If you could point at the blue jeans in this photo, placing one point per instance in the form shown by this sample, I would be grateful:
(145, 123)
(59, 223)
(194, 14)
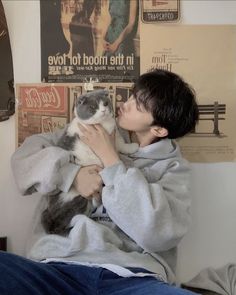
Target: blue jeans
(20, 276)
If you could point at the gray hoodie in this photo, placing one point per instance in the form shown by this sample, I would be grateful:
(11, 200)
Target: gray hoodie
(144, 212)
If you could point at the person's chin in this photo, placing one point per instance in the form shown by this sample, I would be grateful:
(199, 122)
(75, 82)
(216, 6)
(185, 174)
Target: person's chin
(119, 122)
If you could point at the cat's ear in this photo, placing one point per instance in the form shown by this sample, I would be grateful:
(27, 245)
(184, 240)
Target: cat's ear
(80, 99)
(106, 92)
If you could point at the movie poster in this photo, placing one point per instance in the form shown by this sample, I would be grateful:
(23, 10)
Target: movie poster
(7, 95)
(46, 107)
(204, 56)
(89, 39)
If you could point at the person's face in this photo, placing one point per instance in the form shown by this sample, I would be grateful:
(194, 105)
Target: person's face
(133, 118)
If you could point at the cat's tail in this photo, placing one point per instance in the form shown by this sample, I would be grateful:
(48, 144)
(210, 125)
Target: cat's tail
(57, 216)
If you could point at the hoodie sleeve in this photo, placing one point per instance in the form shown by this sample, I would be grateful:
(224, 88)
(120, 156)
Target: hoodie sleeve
(155, 215)
(39, 165)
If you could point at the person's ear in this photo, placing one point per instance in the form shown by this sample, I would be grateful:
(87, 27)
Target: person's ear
(159, 131)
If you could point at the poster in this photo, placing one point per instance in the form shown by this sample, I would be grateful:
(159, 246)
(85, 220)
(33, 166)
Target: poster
(7, 96)
(46, 107)
(156, 11)
(89, 39)
(204, 56)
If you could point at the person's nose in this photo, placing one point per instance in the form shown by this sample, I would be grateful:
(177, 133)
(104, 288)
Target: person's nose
(127, 105)
(122, 106)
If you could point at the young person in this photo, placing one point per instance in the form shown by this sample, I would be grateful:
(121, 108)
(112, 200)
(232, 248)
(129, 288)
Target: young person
(129, 244)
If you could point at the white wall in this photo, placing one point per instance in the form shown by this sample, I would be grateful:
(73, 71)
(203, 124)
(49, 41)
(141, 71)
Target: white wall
(212, 239)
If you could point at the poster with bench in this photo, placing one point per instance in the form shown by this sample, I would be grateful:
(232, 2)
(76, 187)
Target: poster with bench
(212, 112)
(204, 56)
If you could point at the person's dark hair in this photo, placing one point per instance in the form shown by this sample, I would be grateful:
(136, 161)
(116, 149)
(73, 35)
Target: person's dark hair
(170, 100)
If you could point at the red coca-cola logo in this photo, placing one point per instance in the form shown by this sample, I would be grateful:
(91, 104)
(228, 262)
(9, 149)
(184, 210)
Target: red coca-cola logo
(51, 98)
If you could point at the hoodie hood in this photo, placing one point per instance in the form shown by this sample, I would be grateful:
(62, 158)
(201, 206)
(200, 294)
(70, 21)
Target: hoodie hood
(163, 149)
(160, 150)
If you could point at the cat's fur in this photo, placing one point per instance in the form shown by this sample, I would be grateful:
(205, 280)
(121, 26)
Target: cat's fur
(92, 108)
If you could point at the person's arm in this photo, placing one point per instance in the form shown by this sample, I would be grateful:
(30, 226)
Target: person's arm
(39, 165)
(106, 17)
(127, 30)
(155, 215)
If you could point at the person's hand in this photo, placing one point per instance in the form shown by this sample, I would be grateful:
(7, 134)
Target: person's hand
(88, 182)
(112, 48)
(103, 144)
(105, 45)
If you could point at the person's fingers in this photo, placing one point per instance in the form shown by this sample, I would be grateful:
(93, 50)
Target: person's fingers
(89, 194)
(99, 127)
(84, 139)
(81, 127)
(90, 128)
(85, 129)
(96, 188)
(95, 168)
(113, 134)
(99, 181)
(100, 189)
(98, 168)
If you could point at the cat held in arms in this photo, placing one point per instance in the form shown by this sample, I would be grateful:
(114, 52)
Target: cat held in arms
(94, 107)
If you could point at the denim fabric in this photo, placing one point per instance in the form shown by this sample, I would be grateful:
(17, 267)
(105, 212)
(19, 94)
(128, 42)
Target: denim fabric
(20, 276)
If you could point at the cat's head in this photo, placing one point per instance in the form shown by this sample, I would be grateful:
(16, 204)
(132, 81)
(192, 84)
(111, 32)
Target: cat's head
(93, 107)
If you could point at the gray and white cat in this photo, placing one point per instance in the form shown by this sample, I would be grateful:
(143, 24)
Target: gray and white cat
(91, 108)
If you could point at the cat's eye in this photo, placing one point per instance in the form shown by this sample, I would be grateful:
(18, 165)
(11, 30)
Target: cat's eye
(105, 103)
